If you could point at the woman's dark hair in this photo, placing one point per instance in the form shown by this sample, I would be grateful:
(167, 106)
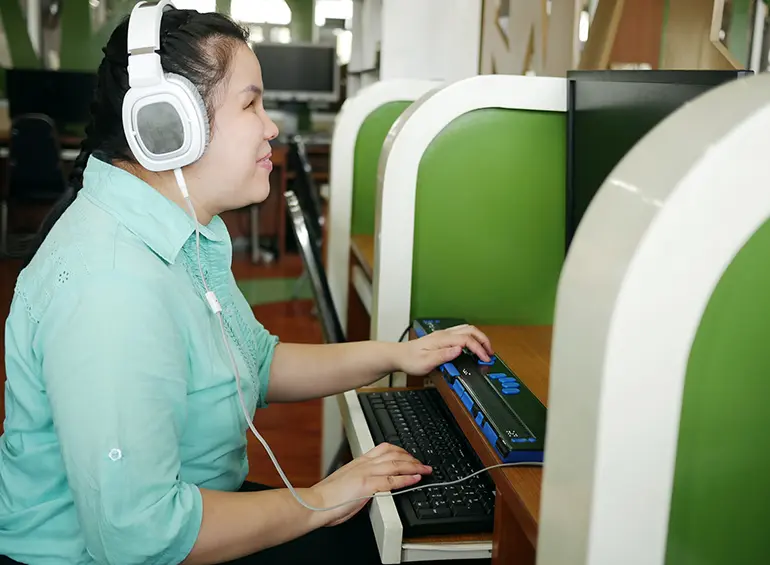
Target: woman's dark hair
(196, 46)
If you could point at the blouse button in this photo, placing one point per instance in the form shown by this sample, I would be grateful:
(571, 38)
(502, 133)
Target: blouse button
(115, 454)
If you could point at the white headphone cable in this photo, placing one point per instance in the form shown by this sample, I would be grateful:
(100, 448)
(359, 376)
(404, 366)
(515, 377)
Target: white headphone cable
(217, 309)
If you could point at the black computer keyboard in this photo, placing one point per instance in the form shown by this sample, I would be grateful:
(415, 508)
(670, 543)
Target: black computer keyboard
(420, 422)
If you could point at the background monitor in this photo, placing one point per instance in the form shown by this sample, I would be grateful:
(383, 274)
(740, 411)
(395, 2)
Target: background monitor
(297, 72)
(608, 112)
(64, 96)
(311, 257)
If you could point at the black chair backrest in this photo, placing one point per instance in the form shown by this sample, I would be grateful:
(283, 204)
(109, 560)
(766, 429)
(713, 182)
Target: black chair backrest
(311, 256)
(304, 187)
(34, 159)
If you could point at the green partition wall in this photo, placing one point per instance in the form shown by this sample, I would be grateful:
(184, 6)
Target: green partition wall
(366, 157)
(721, 497)
(489, 218)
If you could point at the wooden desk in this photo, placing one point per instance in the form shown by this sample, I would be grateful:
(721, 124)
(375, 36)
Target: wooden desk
(527, 351)
(360, 275)
(362, 247)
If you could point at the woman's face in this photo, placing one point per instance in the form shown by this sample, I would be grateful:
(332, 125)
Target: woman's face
(235, 169)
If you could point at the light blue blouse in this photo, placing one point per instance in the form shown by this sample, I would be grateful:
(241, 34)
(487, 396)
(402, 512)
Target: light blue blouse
(120, 397)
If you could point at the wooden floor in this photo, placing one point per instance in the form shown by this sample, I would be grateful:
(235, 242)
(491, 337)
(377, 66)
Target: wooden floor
(293, 431)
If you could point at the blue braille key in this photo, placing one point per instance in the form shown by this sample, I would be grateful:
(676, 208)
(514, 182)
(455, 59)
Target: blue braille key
(511, 391)
(491, 361)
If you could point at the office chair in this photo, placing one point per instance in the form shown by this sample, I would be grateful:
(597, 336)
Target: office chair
(34, 174)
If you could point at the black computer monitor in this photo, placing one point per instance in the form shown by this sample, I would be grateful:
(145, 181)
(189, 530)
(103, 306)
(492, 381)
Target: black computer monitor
(64, 96)
(304, 186)
(310, 250)
(608, 112)
(297, 72)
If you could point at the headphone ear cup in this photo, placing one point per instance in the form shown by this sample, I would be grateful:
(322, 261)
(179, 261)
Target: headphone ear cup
(198, 103)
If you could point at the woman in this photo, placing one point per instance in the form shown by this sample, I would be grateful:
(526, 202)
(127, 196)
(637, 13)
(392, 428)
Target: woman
(124, 437)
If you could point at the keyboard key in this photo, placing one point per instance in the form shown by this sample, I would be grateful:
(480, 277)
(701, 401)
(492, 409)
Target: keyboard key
(476, 508)
(461, 511)
(442, 512)
(433, 513)
(386, 424)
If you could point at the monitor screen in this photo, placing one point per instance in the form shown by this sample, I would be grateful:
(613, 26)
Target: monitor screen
(64, 96)
(311, 257)
(299, 72)
(304, 187)
(609, 112)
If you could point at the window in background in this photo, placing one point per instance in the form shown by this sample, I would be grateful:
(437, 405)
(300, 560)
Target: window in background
(334, 10)
(334, 20)
(344, 46)
(200, 5)
(256, 34)
(275, 12)
(280, 34)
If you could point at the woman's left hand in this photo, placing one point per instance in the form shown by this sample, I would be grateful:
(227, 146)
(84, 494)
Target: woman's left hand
(420, 356)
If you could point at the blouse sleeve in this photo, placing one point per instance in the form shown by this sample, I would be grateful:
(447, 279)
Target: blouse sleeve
(266, 344)
(115, 369)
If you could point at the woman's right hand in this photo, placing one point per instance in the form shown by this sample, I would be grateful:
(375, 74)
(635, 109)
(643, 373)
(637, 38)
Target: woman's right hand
(382, 469)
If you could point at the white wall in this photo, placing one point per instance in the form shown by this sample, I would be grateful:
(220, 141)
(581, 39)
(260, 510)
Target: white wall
(416, 39)
(367, 31)
(430, 39)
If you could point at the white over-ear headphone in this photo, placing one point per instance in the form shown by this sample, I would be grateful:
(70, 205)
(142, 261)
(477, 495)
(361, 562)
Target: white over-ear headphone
(164, 117)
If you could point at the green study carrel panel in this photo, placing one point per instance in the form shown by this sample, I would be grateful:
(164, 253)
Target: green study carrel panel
(369, 142)
(720, 508)
(489, 218)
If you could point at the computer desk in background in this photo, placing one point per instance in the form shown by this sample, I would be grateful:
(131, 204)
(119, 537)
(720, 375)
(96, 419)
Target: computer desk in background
(70, 146)
(526, 349)
(267, 218)
(362, 247)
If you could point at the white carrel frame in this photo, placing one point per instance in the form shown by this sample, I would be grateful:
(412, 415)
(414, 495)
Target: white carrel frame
(640, 272)
(347, 125)
(349, 121)
(397, 186)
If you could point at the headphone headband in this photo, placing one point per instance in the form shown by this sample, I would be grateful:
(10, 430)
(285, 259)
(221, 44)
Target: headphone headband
(164, 117)
(144, 68)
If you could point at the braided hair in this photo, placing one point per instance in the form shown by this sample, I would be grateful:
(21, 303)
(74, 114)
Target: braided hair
(196, 46)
